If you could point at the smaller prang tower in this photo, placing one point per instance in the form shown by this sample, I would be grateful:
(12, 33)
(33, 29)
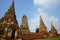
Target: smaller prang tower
(42, 29)
(24, 28)
(53, 32)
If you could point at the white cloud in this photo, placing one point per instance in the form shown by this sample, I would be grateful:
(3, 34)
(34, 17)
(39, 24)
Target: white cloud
(34, 22)
(53, 19)
(46, 3)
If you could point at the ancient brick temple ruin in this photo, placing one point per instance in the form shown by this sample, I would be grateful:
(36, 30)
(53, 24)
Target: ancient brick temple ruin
(9, 29)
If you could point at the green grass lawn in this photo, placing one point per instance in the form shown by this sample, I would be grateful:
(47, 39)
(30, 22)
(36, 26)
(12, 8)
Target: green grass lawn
(53, 39)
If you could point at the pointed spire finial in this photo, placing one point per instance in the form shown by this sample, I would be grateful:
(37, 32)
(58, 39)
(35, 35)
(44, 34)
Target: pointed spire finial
(36, 26)
(40, 16)
(51, 23)
(52, 26)
(41, 21)
(12, 6)
(12, 3)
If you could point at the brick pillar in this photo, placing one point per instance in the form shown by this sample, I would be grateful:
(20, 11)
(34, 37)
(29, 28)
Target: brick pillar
(8, 38)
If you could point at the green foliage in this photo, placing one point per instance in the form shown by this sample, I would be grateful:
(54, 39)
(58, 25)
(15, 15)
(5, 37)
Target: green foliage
(53, 39)
(37, 30)
(1, 31)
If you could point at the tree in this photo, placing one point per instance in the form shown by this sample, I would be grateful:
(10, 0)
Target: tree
(37, 30)
(1, 31)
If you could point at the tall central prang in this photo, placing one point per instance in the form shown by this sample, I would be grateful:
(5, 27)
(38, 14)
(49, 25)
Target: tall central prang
(9, 23)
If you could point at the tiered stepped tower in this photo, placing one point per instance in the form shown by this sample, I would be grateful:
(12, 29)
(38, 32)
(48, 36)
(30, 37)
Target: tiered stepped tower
(9, 22)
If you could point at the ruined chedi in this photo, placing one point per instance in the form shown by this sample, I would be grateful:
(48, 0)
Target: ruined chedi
(24, 28)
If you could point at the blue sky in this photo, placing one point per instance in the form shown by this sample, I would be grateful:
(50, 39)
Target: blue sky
(49, 9)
